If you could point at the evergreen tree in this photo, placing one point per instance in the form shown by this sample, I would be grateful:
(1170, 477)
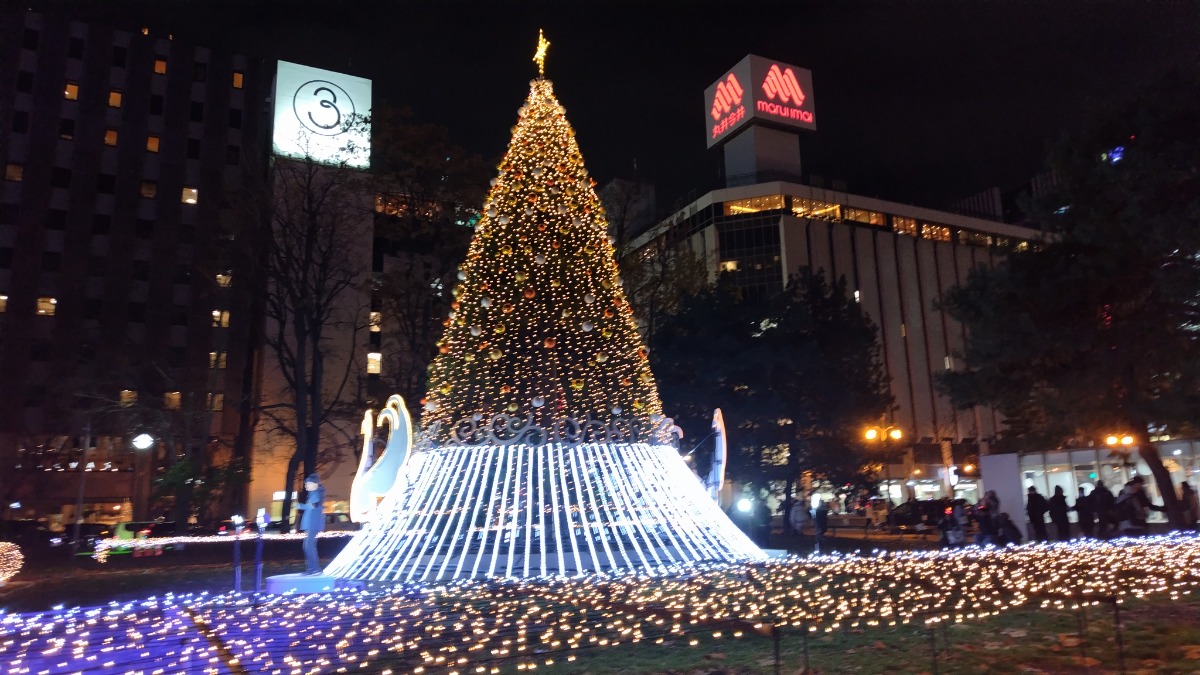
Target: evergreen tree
(1095, 332)
(540, 327)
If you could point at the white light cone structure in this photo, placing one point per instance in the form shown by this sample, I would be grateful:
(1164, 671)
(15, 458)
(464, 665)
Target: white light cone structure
(532, 510)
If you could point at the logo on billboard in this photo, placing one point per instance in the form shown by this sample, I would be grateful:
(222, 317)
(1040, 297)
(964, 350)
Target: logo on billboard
(783, 85)
(323, 107)
(729, 93)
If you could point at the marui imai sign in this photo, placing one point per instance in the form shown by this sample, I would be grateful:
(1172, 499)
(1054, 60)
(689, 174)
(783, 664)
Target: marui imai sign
(318, 113)
(759, 89)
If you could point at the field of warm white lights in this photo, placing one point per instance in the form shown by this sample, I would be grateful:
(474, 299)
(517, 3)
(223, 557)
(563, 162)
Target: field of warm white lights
(487, 627)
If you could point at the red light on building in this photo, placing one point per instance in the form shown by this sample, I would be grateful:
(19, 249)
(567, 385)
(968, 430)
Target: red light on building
(782, 84)
(729, 94)
(779, 95)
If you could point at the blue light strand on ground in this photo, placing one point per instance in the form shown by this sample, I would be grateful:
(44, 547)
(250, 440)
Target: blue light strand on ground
(477, 627)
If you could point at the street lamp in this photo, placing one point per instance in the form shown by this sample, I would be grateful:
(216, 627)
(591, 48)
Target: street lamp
(1121, 444)
(885, 436)
(142, 442)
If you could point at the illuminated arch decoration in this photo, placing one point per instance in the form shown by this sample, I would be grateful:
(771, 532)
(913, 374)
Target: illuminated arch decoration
(544, 450)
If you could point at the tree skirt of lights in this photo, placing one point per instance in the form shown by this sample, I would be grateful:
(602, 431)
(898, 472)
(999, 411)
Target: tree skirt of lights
(470, 511)
(10, 561)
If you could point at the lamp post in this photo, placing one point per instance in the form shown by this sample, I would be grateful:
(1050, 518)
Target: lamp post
(87, 441)
(885, 436)
(142, 442)
(1121, 444)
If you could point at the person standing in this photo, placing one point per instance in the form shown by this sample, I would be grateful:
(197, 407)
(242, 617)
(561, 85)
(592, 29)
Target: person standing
(1191, 504)
(821, 523)
(1058, 513)
(1087, 515)
(312, 522)
(1035, 508)
(1102, 502)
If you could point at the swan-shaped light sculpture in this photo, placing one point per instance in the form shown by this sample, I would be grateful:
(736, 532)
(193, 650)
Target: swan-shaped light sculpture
(716, 473)
(377, 475)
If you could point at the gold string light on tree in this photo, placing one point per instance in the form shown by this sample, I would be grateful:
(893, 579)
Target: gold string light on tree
(540, 326)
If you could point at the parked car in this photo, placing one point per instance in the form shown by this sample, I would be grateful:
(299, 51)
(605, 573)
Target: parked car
(917, 515)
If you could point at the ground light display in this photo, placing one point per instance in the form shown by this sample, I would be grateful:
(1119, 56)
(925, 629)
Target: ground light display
(544, 449)
(515, 625)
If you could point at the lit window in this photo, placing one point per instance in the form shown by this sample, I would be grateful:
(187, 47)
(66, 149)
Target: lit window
(190, 195)
(149, 189)
(110, 136)
(71, 92)
(816, 210)
(729, 265)
(216, 360)
(374, 363)
(3, 304)
(152, 143)
(754, 205)
(863, 216)
(114, 98)
(237, 80)
(160, 66)
(220, 318)
(376, 322)
(128, 397)
(215, 402)
(904, 225)
(46, 306)
(224, 279)
(14, 172)
(858, 296)
(171, 400)
(935, 232)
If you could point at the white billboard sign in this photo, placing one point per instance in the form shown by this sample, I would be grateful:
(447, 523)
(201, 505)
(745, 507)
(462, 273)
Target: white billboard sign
(319, 114)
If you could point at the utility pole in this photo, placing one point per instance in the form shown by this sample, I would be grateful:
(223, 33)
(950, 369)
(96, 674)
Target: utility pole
(87, 442)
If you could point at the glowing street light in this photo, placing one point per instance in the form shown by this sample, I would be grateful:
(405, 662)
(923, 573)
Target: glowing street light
(885, 436)
(143, 441)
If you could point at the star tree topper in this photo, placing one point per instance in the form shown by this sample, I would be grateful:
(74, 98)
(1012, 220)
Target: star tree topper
(540, 57)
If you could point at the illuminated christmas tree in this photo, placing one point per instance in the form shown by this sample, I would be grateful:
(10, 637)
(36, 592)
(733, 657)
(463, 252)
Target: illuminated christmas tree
(540, 328)
(545, 450)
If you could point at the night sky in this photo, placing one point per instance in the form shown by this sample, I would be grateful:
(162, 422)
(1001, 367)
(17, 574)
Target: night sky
(920, 102)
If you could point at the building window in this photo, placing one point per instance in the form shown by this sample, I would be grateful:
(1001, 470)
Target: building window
(119, 56)
(233, 155)
(24, 82)
(216, 360)
(46, 306)
(729, 265)
(197, 111)
(215, 402)
(75, 48)
(66, 129)
(863, 216)
(224, 279)
(374, 363)
(110, 136)
(804, 207)
(3, 304)
(60, 177)
(754, 205)
(114, 98)
(190, 195)
(106, 183)
(152, 143)
(14, 172)
(149, 189)
(935, 232)
(199, 72)
(29, 39)
(235, 118)
(71, 92)
(172, 400)
(128, 398)
(193, 148)
(974, 238)
(156, 104)
(101, 223)
(160, 66)
(904, 225)
(376, 322)
(20, 122)
(220, 318)
(238, 80)
(51, 262)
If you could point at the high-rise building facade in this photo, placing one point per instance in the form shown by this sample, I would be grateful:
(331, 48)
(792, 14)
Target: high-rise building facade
(121, 306)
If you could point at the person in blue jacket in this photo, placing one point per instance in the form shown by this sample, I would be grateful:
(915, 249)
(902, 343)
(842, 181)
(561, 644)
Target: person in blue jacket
(312, 521)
